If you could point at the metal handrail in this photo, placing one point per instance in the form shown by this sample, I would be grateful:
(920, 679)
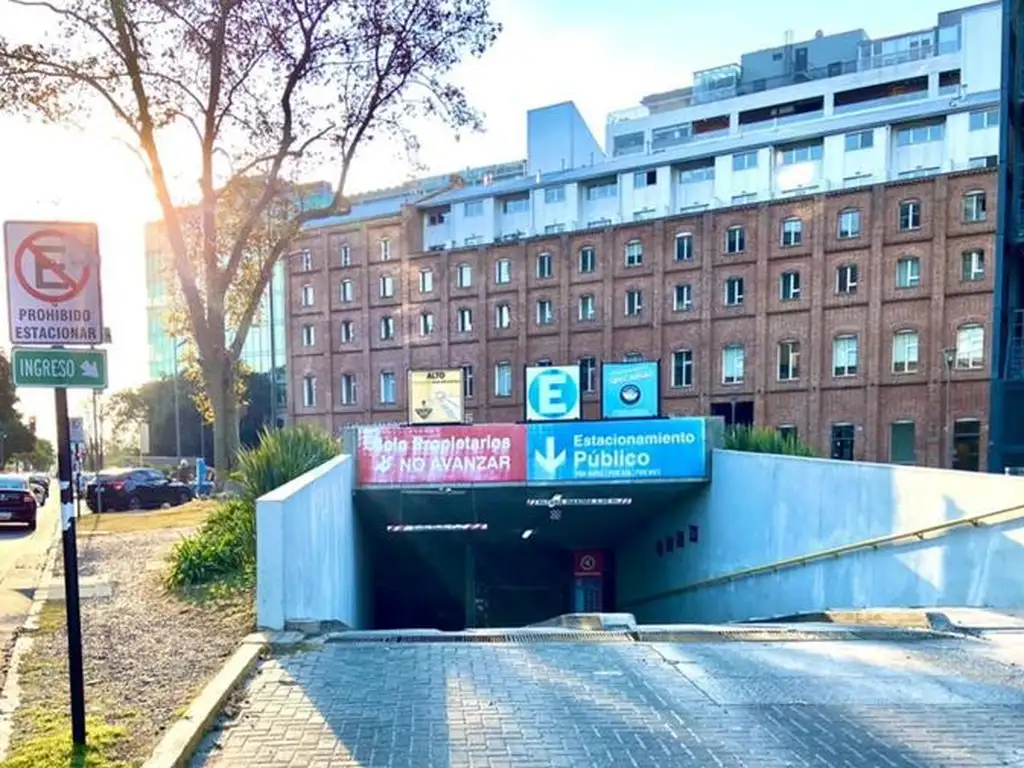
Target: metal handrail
(872, 543)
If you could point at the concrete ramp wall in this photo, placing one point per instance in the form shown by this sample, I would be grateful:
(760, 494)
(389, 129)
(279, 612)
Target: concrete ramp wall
(760, 509)
(310, 554)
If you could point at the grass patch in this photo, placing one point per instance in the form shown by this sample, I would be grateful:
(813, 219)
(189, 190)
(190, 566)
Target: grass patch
(52, 617)
(189, 515)
(50, 745)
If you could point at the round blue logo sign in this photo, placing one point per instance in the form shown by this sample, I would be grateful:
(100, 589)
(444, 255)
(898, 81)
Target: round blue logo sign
(553, 395)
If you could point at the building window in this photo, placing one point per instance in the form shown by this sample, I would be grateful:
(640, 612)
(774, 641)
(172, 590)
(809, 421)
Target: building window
(844, 356)
(910, 215)
(347, 332)
(792, 232)
(684, 246)
(502, 316)
(920, 134)
(744, 161)
(983, 118)
(643, 179)
(682, 368)
(308, 335)
(516, 205)
(468, 381)
(543, 265)
(904, 352)
(733, 358)
(682, 299)
(849, 223)
(554, 195)
(587, 261)
(307, 296)
(975, 206)
(967, 445)
(804, 154)
(634, 302)
(347, 393)
(633, 357)
(846, 279)
(464, 320)
(346, 292)
(426, 323)
(306, 261)
(972, 265)
(859, 140)
(426, 281)
(503, 379)
(385, 249)
(309, 391)
(587, 308)
(545, 312)
(970, 347)
(735, 240)
(908, 272)
(472, 209)
(788, 432)
(588, 374)
(603, 190)
(789, 286)
(387, 286)
(388, 388)
(734, 291)
(464, 276)
(502, 271)
(437, 219)
(387, 328)
(345, 256)
(634, 253)
(902, 437)
(789, 360)
(842, 442)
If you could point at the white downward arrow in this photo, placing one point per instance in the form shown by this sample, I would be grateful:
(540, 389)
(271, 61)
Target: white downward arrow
(549, 461)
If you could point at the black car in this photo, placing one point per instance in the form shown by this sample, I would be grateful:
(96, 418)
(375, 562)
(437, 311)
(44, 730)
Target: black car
(140, 488)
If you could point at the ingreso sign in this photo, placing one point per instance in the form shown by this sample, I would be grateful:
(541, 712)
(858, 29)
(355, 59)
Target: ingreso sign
(71, 368)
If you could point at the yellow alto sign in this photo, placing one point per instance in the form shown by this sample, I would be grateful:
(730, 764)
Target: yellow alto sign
(435, 397)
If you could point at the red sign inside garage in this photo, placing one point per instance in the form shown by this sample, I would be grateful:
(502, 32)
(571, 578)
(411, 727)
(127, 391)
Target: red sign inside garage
(588, 563)
(462, 454)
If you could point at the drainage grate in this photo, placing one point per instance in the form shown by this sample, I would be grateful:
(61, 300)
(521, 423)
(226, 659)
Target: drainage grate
(514, 638)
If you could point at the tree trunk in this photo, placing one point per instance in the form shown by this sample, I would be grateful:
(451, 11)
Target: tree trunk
(220, 386)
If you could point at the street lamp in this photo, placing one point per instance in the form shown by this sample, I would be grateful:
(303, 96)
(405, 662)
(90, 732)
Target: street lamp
(177, 408)
(948, 358)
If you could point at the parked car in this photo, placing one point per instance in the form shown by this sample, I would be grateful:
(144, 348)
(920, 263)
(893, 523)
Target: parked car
(135, 488)
(42, 482)
(18, 504)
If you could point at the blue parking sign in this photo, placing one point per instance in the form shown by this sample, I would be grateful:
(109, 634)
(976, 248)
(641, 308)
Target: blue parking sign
(553, 393)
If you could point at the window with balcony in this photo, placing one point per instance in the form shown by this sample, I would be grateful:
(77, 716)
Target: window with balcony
(910, 215)
(388, 388)
(846, 279)
(682, 368)
(473, 208)
(587, 307)
(970, 347)
(308, 335)
(733, 360)
(789, 286)
(306, 296)
(972, 265)
(792, 232)
(904, 352)
(468, 382)
(543, 266)
(309, 391)
(735, 239)
(908, 272)
(345, 256)
(859, 140)
(387, 286)
(587, 260)
(385, 249)
(634, 254)
(464, 276)
(981, 119)
(684, 246)
(502, 316)
(849, 224)
(347, 389)
(789, 360)
(545, 312)
(306, 261)
(464, 320)
(503, 379)
(644, 179)
(387, 328)
(844, 356)
(426, 323)
(347, 332)
(588, 374)
(502, 271)
(744, 161)
(426, 281)
(634, 303)
(975, 206)
(682, 298)
(734, 291)
(554, 195)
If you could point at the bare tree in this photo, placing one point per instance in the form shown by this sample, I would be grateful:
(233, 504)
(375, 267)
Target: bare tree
(263, 89)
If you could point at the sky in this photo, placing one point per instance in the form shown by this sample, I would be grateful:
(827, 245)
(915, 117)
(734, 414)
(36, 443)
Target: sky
(604, 55)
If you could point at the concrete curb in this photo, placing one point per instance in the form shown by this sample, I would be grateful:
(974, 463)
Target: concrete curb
(177, 746)
(10, 695)
(927, 620)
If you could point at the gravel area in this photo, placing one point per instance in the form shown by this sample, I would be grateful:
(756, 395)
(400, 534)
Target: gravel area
(147, 652)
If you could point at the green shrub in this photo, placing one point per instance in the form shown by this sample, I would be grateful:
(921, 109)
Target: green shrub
(764, 440)
(223, 549)
(281, 456)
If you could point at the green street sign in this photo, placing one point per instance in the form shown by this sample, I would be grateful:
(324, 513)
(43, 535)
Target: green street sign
(69, 368)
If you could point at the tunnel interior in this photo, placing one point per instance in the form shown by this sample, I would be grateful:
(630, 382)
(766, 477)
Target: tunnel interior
(461, 558)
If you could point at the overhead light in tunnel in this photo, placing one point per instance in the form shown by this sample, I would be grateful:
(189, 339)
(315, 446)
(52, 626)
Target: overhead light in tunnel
(437, 527)
(527, 533)
(561, 501)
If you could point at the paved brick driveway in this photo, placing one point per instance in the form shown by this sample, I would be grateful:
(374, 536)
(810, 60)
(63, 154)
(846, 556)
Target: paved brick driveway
(854, 703)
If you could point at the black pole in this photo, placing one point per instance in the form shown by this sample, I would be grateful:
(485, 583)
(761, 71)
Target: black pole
(71, 596)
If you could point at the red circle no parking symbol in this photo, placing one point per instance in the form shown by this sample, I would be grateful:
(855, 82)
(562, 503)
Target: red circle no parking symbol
(43, 268)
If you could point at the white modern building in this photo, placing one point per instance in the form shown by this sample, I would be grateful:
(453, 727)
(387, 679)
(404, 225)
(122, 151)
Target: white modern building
(835, 112)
